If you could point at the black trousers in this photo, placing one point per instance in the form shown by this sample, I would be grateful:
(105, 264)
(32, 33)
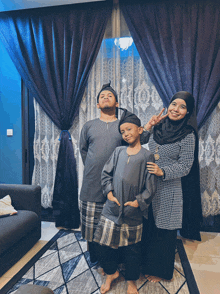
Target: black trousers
(158, 250)
(93, 248)
(110, 258)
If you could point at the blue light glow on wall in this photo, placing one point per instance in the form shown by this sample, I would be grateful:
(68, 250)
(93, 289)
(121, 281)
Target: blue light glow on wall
(10, 118)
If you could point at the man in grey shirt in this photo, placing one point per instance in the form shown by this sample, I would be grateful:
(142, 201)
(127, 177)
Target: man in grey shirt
(99, 138)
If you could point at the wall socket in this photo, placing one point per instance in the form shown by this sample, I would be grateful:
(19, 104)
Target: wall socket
(9, 132)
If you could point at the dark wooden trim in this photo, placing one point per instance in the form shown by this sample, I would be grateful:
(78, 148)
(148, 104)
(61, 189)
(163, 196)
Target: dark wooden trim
(25, 133)
(28, 129)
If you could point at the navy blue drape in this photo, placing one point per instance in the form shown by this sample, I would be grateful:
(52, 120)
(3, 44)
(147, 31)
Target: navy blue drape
(54, 49)
(179, 43)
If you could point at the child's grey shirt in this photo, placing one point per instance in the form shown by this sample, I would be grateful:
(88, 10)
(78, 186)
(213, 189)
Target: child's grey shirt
(128, 178)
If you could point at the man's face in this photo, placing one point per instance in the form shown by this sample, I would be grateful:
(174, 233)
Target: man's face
(107, 100)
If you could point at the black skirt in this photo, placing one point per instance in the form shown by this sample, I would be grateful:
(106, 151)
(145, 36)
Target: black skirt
(158, 249)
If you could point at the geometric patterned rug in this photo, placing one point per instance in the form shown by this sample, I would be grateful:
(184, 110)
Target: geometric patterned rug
(63, 265)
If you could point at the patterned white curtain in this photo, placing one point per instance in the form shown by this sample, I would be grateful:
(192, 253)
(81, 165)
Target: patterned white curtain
(119, 62)
(209, 158)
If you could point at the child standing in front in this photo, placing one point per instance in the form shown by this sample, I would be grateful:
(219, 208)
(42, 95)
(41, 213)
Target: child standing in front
(129, 189)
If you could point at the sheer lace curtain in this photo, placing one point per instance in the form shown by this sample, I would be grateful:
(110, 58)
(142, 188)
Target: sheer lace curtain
(119, 62)
(209, 158)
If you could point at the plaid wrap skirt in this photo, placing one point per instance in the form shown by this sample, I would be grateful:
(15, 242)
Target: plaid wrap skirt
(90, 213)
(112, 235)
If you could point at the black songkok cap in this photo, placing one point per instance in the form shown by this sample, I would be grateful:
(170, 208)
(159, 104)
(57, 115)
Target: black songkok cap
(128, 117)
(107, 87)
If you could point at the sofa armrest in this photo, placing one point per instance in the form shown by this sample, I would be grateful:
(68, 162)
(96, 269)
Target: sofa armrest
(24, 197)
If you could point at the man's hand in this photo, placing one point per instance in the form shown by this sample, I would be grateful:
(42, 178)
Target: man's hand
(132, 203)
(113, 198)
(155, 119)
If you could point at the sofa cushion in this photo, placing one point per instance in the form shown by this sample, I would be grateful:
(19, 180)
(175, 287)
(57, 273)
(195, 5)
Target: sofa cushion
(5, 206)
(14, 227)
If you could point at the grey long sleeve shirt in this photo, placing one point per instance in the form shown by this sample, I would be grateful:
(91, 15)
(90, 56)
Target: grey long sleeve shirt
(97, 142)
(128, 178)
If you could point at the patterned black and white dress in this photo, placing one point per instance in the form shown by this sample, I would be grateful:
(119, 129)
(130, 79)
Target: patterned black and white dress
(165, 217)
(176, 160)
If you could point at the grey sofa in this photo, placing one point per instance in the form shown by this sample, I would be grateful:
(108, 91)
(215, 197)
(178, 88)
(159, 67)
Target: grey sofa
(19, 233)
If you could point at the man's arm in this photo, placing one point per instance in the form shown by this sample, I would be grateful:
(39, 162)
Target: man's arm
(145, 137)
(83, 144)
(107, 175)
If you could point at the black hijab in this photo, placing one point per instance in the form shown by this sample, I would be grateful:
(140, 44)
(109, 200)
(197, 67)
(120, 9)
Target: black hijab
(169, 131)
(172, 131)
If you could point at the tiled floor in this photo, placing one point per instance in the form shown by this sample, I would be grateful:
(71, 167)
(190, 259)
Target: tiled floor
(203, 256)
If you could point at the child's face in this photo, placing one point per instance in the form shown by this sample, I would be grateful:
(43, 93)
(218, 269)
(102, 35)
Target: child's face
(131, 133)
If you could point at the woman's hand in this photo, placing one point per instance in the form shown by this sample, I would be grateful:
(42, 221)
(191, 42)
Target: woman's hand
(153, 168)
(155, 119)
(111, 197)
(132, 203)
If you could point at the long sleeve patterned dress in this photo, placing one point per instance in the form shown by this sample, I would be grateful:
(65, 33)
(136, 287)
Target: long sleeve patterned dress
(176, 160)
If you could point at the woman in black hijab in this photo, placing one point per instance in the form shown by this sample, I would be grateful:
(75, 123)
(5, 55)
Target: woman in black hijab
(177, 204)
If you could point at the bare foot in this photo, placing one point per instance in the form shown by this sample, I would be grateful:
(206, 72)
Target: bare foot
(153, 279)
(146, 276)
(102, 272)
(109, 279)
(132, 288)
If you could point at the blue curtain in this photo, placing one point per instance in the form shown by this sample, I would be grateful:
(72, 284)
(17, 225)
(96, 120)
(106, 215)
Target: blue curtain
(54, 49)
(179, 43)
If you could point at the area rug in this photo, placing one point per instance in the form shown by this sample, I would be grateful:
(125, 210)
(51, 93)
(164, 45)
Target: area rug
(64, 266)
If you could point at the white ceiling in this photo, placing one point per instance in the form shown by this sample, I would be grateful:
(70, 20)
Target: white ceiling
(6, 5)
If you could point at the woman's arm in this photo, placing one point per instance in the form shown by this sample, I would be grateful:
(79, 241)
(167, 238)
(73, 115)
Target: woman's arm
(155, 119)
(186, 157)
(183, 165)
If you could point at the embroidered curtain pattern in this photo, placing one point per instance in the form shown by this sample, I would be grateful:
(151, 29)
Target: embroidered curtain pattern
(209, 158)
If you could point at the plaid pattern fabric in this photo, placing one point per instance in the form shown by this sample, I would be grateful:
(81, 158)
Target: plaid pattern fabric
(89, 216)
(114, 236)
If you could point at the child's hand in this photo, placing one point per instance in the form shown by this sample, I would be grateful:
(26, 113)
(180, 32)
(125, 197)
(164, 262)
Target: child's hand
(132, 203)
(112, 198)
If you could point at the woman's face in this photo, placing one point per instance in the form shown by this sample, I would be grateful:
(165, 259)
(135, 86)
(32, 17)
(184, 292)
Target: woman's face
(177, 109)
